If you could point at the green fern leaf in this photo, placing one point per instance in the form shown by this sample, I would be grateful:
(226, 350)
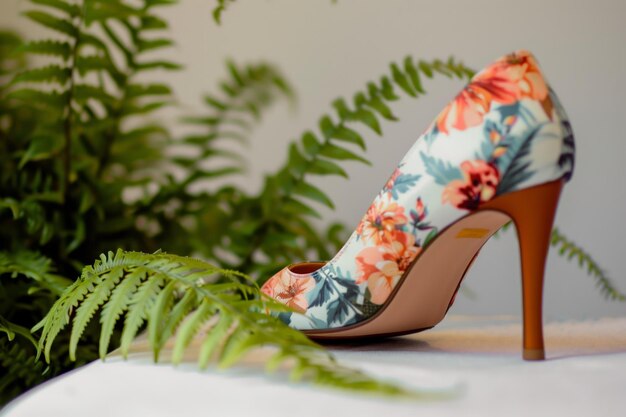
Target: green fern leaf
(348, 135)
(12, 329)
(327, 127)
(368, 119)
(413, 74)
(13, 205)
(181, 309)
(324, 167)
(103, 287)
(294, 206)
(48, 74)
(442, 68)
(72, 10)
(570, 250)
(387, 90)
(149, 44)
(213, 341)
(50, 98)
(87, 63)
(139, 308)
(426, 68)
(314, 193)
(86, 92)
(188, 329)
(310, 143)
(220, 9)
(138, 90)
(165, 65)
(99, 11)
(59, 314)
(236, 345)
(297, 162)
(160, 309)
(401, 79)
(375, 103)
(48, 47)
(115, 307)
(152, 22)
(342, 154)
(129, 109)
(51, 22)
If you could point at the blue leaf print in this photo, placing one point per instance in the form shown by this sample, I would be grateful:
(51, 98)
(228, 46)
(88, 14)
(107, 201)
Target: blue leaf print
(351, 288)
(508, 111)
(516, 162)
(339, 312)
(402, 184)
(324, 293)
(443, 172)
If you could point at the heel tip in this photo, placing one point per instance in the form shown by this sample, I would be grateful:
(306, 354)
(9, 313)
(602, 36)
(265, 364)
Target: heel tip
(534, 354)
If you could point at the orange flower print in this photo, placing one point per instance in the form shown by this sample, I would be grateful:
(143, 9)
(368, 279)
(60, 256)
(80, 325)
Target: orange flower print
(382, 219)
(523, 67)
(524, 70)
(508, 80)
(470, 105)
(290, 290)
(402, 250)
(382, 266)
(479, 183)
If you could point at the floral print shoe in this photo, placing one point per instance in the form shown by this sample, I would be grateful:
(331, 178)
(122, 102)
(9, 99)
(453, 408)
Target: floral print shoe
(499, 151)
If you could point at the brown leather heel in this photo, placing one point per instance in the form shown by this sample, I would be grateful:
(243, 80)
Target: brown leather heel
(532, 211)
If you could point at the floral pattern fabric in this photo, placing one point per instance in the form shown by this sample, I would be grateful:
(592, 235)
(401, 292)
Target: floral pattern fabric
(505, 131)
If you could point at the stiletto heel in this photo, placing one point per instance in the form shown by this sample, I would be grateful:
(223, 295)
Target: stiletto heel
(532, 211)
(500, 151)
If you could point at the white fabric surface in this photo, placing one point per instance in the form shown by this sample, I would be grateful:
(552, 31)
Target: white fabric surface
(584, 375)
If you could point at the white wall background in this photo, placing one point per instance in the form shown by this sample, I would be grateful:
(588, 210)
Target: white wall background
(330, 50)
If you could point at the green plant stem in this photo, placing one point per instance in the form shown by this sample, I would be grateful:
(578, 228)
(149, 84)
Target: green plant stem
(68, 119)
(113, 132)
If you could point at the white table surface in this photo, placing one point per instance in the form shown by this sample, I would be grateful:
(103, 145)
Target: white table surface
(585, 375)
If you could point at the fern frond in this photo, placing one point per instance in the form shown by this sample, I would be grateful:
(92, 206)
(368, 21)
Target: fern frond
(98, 11)
(50, 73)
(160, 310)
(139, 308)
(60, 25)
(50, 47)
(171, 322)
(103, 287)
(62, 308)
(70, 9)
(116, 306)
(570, 250)
(228, 319)
(190, 327)
(52, 99)
(219, 9)
(34, 266)
(247, 92)
(12, 329)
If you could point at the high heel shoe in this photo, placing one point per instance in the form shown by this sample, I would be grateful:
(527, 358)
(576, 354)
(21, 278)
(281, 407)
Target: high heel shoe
(500, 151)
